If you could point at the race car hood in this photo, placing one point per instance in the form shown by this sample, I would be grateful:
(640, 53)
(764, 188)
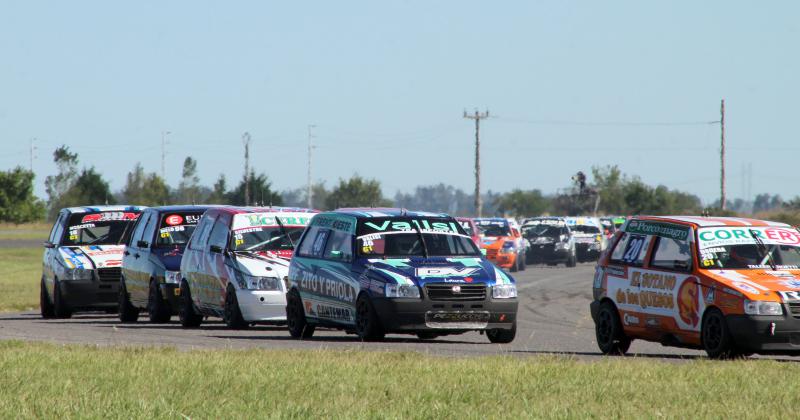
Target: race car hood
(761, 284)
(262, 264)
(170, 257)
(490, 242)
(438, 270)
(92, 256)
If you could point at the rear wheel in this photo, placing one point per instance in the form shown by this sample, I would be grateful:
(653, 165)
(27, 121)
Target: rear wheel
(157, 309)
(368, 326)
(296, 317)
(60, 307)
(572, 261)
(232, 314)
(608, 329)
(127, 312)
(522, 262)
(187, 313)
(501, 336)
(45, 305)
(716, 337)
(427, 335)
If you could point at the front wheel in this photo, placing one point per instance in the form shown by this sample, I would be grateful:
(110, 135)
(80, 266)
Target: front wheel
(157, 309)
(572, 261)
(368, 326)
(127, 312)
(608, 329)
(60, 307)
(186, 312)
(715, 335)
(232, 314)
(501, 336)
(296, 317)
(522, 262)
(45, 305)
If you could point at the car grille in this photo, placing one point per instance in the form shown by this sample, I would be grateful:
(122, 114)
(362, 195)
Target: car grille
(444, 291)
(794, 308)
(109, 274)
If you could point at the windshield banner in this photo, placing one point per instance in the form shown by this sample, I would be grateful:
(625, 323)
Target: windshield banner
(725, 236)
(679, 233)
(249, 220)
(405, 225)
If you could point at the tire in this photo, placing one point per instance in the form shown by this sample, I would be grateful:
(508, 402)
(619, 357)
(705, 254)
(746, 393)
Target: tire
(522, 263)
(608, 329)
(60, 308)
(501, 336)
(716, 337)
(231, 313)
(187, 313)
(427, 335)
(572, 261)
(45, 305)
(368, 326)
(157, 310)
(296, 317)
(514, 267)
(127, 312)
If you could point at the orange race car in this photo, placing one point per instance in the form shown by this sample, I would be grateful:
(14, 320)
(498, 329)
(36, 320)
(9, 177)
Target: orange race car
(502, 242)
(730, 286)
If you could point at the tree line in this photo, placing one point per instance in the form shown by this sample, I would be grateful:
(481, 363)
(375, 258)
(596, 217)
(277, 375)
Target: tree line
(606, 191)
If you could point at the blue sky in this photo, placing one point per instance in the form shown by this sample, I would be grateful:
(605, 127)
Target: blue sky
(386, 83)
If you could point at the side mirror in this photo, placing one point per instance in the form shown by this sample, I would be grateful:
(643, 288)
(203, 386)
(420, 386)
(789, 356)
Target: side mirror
(215, 249)
(48, 244)
(142, 244)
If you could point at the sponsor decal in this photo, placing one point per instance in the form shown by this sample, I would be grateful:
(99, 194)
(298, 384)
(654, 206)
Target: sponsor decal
(326, 287)
(439, 272)
(792, 284)
(726, 236)
(173, 219)
(109, 215)
(746, 287)
(403, 225)
(334, 223)
(629, 319)
(652, 322)
(649, 290)
(267, 219)
(616, 271)
(689, 301)
(789, 295)
(676, 232)
(333, 312)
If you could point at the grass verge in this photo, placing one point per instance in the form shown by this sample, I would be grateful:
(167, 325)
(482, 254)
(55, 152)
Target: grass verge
(20, 274)
(46, 381)
(28, 231)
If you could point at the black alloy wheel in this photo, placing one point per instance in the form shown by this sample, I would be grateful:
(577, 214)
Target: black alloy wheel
(157, 309)
(716, 337)
(296, 317)
(60, 308)
(231, 313)
(127, 312)
(608, 329)
(187, 313)
(45, 305)
(502, 336)
(368, 326)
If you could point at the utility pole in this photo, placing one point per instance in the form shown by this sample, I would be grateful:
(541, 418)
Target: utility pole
(246, 142)
(32, 151)
(477, 117)
(722, 155)
(309, 191)
(164, 155)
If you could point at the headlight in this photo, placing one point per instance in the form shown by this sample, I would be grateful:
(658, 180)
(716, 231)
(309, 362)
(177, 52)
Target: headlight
(504, 291)
(562, 245)
(762, 308)
(79, 274)
(508, 247)
(402, 291)
(261, 283)
(173, 277)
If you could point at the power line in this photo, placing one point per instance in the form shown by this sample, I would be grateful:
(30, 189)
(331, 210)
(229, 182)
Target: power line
(477, 117)
(608, 123)
(32, 151)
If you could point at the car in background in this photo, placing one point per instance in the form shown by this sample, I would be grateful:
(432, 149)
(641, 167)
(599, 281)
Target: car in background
(502, 242)
(236, 262)
(82, 259)
(729, 286)
(590, 241)
(152, 260)
(550, 241)
(379, 271)
(471, 229)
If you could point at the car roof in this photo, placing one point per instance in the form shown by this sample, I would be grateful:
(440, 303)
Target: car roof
(702, 221)
(369, 212)
(185, 207)
(95, 209)
(492, 219)
(271, 209)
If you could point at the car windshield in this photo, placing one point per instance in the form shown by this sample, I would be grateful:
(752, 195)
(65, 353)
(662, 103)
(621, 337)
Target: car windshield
(585, 229)
(176, 228)
(749, 248)
(399, 237)
(536, 231)
(494, 229)
(99, 228)
(467, 228)
(266, 238)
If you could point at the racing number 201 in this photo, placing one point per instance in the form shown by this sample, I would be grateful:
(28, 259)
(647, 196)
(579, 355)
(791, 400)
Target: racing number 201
(633, 248)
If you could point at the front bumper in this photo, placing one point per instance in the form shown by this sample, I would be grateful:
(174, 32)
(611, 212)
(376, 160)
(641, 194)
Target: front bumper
(546, 253)
(587, 251)
(503, 260)
(410, 315)
(89, 294)
(756, 333)
(262, 305)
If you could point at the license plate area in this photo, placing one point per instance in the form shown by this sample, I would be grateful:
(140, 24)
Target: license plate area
(457, 320)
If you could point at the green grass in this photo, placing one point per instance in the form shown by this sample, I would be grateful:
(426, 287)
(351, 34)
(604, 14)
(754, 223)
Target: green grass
(20, 274)
(27, 231)
(50, 381)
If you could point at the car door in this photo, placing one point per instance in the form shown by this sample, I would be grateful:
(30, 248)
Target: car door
(129, 261)
(216, 278)
(668, 287)
(340, 276)
(51, 253)
(623, 276)
(192, 264)
(141, 278)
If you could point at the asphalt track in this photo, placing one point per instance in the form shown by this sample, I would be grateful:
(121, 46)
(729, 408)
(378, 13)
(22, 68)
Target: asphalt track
(553, 319)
